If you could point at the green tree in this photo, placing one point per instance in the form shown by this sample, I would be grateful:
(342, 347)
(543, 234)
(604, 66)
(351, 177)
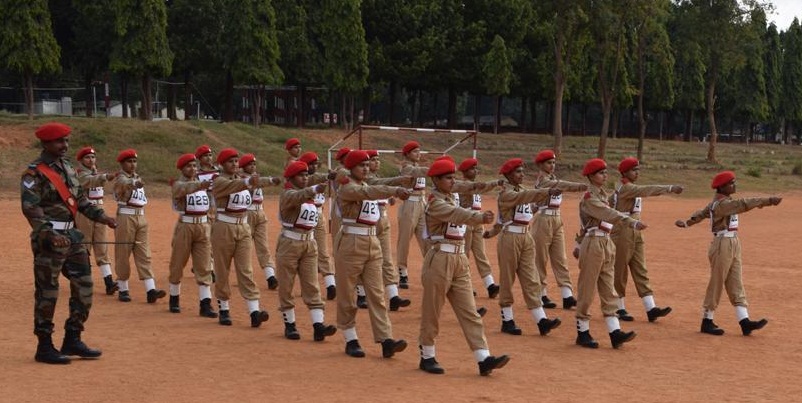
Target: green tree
(93, 43)
(772, 62)
(497, 71)
(689, 66)
(27, 45)
(300, 60)
(753, 105)
(791, 102)
(140, 47)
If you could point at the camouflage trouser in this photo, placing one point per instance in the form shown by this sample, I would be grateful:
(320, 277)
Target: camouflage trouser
(73, 263)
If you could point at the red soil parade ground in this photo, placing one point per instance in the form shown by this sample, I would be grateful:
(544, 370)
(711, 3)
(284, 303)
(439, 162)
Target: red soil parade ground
(150, 354)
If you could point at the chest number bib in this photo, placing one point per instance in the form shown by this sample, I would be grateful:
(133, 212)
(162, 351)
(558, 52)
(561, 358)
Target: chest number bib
(369, 212)
(258, 196)
(638, 206)
(138, 198)
(307, 217)
(454, 231)
(732, 223)
(555, 201)
(476, 204)
(238, 202)
(95, 193)
(420, 183)
(523, 214)
(197, 203)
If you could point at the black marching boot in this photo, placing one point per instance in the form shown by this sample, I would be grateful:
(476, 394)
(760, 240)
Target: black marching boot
(74, 346)
(175, 307)
(47, 353)
(206, 310)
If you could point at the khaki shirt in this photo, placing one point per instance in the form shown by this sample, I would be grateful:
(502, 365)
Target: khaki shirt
(546, 181)
(722, 208)
(511, 196)
(124, 185)
(289, 204)
(351, 194)
(409, 168)
(468, 188)
(595, 208)
(626, 194)
(225, 185)
(181, 188)
(443, 211)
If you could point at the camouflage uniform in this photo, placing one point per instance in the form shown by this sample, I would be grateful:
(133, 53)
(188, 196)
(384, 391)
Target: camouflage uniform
(48, 215)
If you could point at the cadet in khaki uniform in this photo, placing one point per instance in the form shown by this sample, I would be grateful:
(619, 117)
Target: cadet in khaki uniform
(207, 171)
(474, 242)
(191, 236)
(725, 252)
(324, 266)
(446, 273)
(95, 232)
(293, 147)
(629, 253)
(357, 253)
(297, 251)
(51, 198)
(131, 233)
(549, 234)
(596, 257)
(335, 214)
(516, 249)
(410, 215)
(258, 221)
(231, 237)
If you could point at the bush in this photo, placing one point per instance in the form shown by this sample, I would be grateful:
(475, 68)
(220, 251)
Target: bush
(754, 172)
(797, 169)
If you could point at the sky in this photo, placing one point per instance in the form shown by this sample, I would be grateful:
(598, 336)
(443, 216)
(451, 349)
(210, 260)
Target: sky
(784, 13)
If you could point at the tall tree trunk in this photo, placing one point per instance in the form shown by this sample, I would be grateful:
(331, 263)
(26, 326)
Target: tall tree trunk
(689, 125)
(477, 107)
(435, 95)
(28, 78)
(124, 94)
(557, 114)
(393, 89)
(301, 122)
(256, 105)
(711, 116)
(496, 112)
(452, 108)
(584, 119)
(172, 101)
(146, 113)
(228, 98)
(189, 108)
(616, 119)
(567, 122)
(533, 115)
(342, 117)
(366, 112)
(522, 123)
(90, 100)
(607, 106)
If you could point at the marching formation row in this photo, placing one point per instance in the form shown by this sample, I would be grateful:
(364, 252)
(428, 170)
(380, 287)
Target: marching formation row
(221, 220)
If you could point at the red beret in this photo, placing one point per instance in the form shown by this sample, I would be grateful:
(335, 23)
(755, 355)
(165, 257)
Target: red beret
(341, 153)
(246, 159)
(593, 165)
(84, 151)
(292, 143)
(544, 156)
(52, 131)
(126, 154)
(445, 157)
(184, 160)
(202, 150)
(722, 179)
(355, 158)
(510, 165)
(308, 157)
(372, 153)
(627, 163)
(295, 168)
(408, 147)
(226, 154)
(468, 164)
(442, 166)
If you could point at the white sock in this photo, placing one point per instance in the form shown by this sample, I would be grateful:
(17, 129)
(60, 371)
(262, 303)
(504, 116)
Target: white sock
(349, 334)
(741, 312)
(648, 302)
(223, 304)
(506, 313)
(175, 289)
(612, 323)
(488, 279)
(316, 315)
(538, 314)
(289, 315)
(402, 271)
(269, 272)
(544, 292)
(150, 284)
(253, 305)
(708, 314)
(582, 325)
(621, 303)
(391, 290)
(105, 270)
(328, 280)
(360, 291)
(426, 352)
(481, 354)
(566, 292)
(204, 291)
(122, 285)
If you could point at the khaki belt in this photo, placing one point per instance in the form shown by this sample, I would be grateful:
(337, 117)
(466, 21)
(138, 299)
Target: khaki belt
(451, 248)
(363, 231)
(130, 211)
(232, 220)
(297, 236)
(517, 229)
(194, 219)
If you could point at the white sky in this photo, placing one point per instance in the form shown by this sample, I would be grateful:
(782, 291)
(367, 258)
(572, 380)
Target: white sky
(784, 13)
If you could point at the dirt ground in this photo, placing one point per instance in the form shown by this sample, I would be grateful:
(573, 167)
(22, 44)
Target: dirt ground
(153, 355)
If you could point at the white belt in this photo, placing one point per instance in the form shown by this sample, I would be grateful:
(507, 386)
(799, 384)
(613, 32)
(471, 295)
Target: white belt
(297, 236)
(550, 211)
(232, 220)
(517, 229)
(96, 202)
(194, 219)
(130, 211)
(451, 248)
(414, 198)
(62, 225)
(726, 234)
(364, 231)
(255, 207)
(596, 232)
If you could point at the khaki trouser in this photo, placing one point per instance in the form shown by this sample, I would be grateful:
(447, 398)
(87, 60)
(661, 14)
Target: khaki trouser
(324, 266)
(549, 236)
(191, 239)
(629, 257)
(389, 273)
(596, 255)
(410, 221)
(94, 232)
(475, 243)
(258, 223)
(516, 257)
(359, 259)
(134, 229)
(297, 258)
(334, 227)
(233, 242)
(447, 275)
(725, 272)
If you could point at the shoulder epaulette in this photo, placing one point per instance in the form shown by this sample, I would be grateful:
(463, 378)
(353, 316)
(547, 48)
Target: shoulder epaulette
(587, 195)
